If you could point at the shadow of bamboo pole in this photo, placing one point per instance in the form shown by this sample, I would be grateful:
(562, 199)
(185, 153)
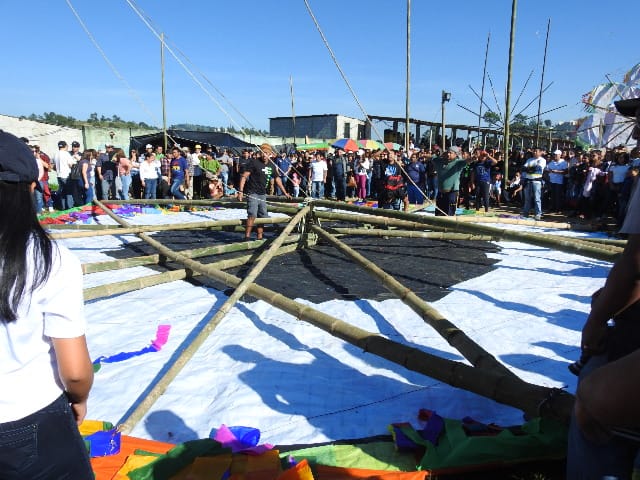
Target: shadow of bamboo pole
(507, 389)
(459, 340)
(147, 402)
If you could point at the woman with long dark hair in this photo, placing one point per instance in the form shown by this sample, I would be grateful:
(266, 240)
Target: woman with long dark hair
(45, 369)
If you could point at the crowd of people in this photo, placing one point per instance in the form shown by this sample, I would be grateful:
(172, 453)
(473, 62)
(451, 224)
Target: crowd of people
(587, 184)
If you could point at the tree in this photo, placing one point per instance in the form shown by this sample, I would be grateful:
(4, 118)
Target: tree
(492, 118)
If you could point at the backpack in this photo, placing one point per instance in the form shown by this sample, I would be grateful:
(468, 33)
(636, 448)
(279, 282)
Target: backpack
(76, 171)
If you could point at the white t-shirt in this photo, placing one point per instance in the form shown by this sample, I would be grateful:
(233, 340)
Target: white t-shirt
(63, 161)
(317, 171)
(28, 368)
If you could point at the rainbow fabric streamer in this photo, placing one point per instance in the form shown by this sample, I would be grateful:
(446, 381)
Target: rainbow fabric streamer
(162, 336)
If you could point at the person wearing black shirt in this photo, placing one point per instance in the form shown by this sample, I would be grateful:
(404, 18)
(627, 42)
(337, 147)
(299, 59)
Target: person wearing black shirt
(253, 183)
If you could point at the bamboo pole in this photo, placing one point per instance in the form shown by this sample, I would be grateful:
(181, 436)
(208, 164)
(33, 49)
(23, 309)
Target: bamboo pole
(541, 240)
(168, 227)
(155, 259)
(373, 220)
(176, 367)
(372, 232)
(446, 329)
(503, 389)
(126, 286)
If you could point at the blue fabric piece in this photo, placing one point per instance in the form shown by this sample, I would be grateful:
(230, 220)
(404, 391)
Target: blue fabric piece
(119, 357)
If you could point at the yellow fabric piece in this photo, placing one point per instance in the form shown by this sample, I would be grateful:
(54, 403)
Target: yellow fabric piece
(88, 427)
(133, 462)
(205, 468)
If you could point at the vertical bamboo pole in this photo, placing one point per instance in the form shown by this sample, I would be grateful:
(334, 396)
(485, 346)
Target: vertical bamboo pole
(406, 125)
(164, 107)
(507, 108)
(544, 64)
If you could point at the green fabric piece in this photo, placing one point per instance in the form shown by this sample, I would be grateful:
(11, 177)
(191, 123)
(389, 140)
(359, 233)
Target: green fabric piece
(176, 459)
(370, 455)
(541, 439)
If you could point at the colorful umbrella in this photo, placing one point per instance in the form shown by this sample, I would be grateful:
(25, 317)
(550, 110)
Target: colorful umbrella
(346, 144)
(314, 146)
(370, 144)
(392, 145)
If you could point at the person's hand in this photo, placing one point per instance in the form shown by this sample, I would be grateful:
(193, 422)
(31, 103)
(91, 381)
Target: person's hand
(288, 196)
(594, 334)
(240, 196)
(79, 411)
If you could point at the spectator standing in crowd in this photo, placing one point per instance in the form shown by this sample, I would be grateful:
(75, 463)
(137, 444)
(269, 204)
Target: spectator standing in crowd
(361, 169)
(393, 189)
(283, 167)
(481, 178)
(149, 174)
(45, 369)
(317, 175)
(63, 162)
(196, 172)
(178, 173)
(106, 173)
(533, 169)
(253, 185)
(44, 180)
(557, 169)
(416, 171)
(340, 169)
(124, 174)
(86, 168)
(447, 171)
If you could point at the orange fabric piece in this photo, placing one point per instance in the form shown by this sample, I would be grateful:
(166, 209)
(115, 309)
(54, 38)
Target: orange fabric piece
(106, 467)
(338, 473)
(302, 471)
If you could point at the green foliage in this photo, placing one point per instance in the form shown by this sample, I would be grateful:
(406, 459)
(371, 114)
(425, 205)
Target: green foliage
(105, 122)
(492, 118)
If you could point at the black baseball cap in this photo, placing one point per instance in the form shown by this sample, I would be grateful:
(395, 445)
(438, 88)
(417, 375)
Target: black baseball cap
(75, 144)
(17, 162)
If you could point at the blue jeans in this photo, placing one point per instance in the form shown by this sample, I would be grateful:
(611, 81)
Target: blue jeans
(65, 187)
(175, 188)
(126, 183)
(108, 186)
(586, 460)
(44, 445)
(432, 187)
(150, 186)
(532, 197)
(317, 190)
(39, 199)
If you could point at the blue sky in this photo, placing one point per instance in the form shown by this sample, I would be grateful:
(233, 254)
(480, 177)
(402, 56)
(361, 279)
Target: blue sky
(248, 49)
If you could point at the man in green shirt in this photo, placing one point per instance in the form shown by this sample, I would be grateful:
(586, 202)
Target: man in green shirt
(448, 169)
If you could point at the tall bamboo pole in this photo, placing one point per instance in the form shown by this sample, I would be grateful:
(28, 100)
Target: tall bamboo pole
(293, 111)
(507, 108)
(544, 65)
(143, 407)
(408, 91)
(446, 329)
(164, 105)
(484, 76)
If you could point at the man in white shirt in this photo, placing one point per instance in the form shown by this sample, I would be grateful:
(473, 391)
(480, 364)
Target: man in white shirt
(532, 171)
(318, 175)
(63, 162)
(557, 169)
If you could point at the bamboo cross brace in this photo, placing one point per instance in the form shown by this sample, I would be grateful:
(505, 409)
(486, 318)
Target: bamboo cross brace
(548, 241)
(143, 407)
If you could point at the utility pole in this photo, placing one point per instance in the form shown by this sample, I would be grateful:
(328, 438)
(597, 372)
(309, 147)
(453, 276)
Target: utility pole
(446, 96)
(507, 109)
(164, 110)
